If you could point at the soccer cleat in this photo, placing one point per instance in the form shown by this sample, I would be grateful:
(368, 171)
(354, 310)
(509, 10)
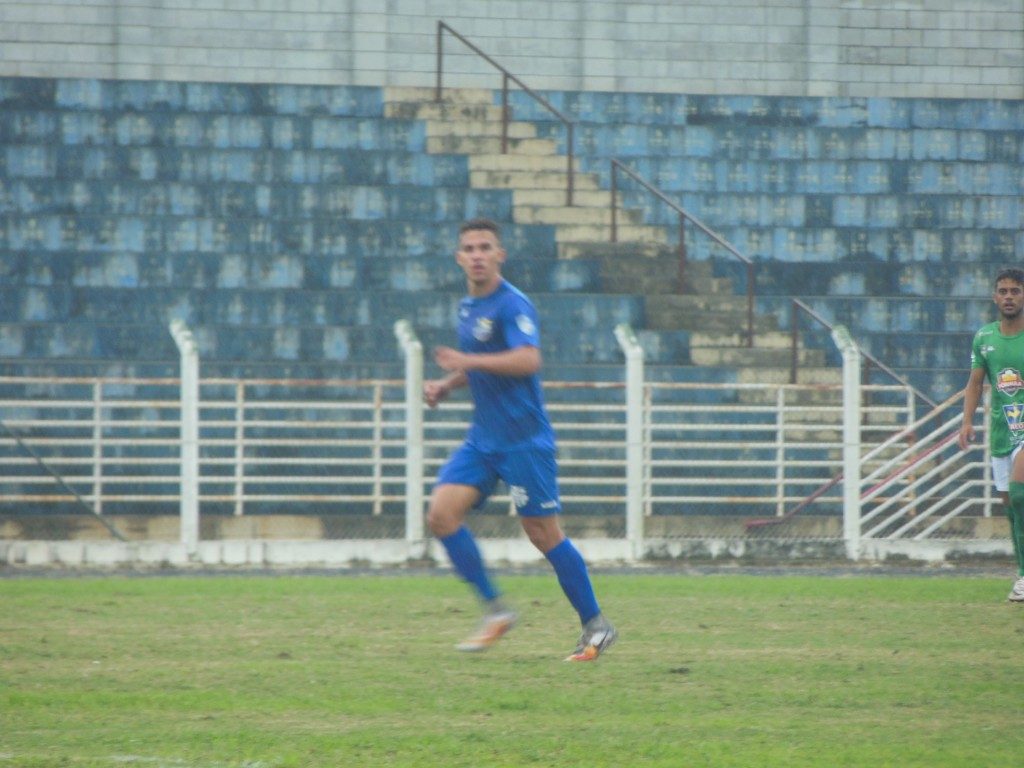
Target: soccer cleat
(491, 630)
(598, 636)
(1017, 593)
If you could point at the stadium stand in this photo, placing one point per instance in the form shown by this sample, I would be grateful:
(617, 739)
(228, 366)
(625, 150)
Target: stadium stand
(872, 200)
(291, 225)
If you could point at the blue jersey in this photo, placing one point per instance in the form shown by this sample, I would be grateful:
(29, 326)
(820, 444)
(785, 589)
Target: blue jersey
(508, 411)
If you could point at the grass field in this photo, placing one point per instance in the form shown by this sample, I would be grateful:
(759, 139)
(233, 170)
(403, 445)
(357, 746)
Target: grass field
(311, 671)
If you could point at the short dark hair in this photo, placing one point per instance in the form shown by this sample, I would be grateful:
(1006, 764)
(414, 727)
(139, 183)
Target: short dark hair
(481, 223)
(1010, 273)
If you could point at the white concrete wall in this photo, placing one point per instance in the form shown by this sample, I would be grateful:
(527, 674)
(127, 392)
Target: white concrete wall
(909, 48)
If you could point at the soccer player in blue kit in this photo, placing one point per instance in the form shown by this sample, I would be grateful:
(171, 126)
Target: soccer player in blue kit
(510, 439)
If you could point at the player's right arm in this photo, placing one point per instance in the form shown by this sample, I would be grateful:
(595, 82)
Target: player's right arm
(972, 397)
(436, 390)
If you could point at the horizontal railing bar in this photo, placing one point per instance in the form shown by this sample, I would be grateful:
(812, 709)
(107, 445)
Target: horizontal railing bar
(234, 427)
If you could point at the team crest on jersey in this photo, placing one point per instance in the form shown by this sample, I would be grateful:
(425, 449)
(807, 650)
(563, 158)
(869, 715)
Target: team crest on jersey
(1014, 414)
(484, 329)
(526, 325)
(1009, 382)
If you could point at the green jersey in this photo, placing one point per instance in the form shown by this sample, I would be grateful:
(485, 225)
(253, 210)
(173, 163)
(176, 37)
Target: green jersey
(1002, 357)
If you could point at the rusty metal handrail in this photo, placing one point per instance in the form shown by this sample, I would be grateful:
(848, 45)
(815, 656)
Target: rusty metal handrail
(683, 216)
(796, 307)
(505, 109)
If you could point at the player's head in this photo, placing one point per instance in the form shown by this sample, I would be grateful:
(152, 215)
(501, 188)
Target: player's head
(480, 255)
(1009, 292)
(1010, 273)
(487, 225)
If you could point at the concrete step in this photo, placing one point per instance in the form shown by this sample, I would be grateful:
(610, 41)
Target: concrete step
(765, 340)
(531, 180)
(695, 318)
(823, 408)
(818, 435)
(630, 249)
(550, 197)
(489, 145)
(499, 162)
(805, 375)
(603, 233)
(445, 111)
(752, 356)
(533, 214)
(824, 404)
(890, 419)
(721, 315)
(828, 397)
(479, 129)
(639, 275)
(814, 417)
(666, 305)
(419, 94)
(660, 275)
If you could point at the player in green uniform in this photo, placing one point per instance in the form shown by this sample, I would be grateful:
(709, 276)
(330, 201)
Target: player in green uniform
(997, 354)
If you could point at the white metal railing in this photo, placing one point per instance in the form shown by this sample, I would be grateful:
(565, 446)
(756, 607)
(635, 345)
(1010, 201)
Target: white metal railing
(927, 481)
(284, 445)
(632, 449)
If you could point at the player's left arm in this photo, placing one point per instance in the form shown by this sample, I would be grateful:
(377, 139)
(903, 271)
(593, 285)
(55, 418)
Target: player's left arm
(521, 361)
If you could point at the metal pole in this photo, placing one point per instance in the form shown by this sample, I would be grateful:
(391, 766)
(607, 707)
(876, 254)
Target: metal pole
(570, 151)
(189, 434)
(682, 253)
(440, 44)
(851, 440)
(412, 349)
(794, 338)
(504, 114)
(750, 304)
(634, 437)
(615, 181)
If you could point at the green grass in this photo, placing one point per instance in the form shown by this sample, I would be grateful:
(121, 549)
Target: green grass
(311, 671)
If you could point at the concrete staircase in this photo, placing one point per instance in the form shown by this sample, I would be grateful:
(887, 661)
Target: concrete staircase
(466, 122)
(640, 263)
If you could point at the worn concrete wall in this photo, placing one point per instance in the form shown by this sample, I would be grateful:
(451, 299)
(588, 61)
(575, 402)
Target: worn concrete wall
(858, 48)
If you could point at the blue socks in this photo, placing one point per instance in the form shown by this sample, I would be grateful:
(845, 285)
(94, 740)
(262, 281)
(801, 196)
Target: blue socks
(564, 558)
(465, 556)
(572, 575)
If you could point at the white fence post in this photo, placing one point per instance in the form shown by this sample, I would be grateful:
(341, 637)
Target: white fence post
(634, 437)
(189, 434)
(97, 447)
(412, 350)
(239, 448)
(851, 440)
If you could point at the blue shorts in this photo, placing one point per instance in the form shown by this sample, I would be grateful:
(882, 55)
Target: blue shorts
(530, 473)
